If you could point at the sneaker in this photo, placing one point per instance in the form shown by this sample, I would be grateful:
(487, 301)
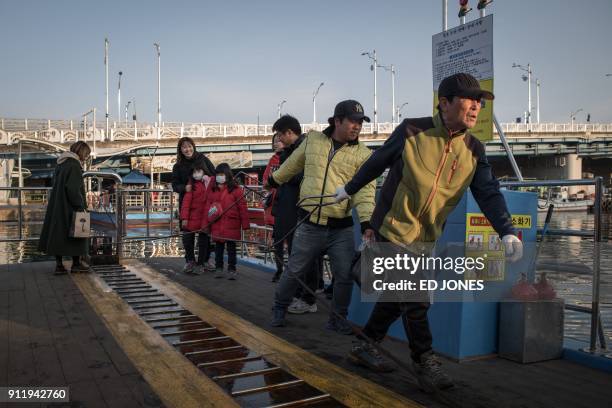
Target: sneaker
(219, 273)
(301, 307)
(79, 269)
(278, 319)
(342, 326)
(210, 265)
(232, 274)
(188, 268)
(60, 270)
(430, 375)
(365, 354)
(197, 270)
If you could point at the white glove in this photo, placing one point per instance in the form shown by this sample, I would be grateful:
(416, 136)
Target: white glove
(341, 194)
(513, 247)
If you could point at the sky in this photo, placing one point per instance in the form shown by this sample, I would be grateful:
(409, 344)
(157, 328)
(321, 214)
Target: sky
(235, 61)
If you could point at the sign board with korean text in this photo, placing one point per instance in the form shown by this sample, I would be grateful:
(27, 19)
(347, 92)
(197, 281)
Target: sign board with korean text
(481, 239)
(467, 48)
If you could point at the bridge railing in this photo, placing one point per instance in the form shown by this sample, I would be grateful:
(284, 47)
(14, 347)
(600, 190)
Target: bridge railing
(556, 127)
(65, 131)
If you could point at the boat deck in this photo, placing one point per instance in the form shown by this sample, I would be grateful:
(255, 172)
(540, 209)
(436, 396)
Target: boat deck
(73, 330)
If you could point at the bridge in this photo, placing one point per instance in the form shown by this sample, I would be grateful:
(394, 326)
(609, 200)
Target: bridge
(543, 150)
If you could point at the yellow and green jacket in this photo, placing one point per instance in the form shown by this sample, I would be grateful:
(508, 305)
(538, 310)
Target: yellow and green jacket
(429, 173)
(325, 169)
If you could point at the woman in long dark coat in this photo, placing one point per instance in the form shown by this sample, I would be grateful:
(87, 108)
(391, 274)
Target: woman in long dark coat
(67, 196)
(186, 158)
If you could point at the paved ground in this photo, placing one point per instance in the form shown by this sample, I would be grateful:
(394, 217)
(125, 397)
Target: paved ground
(50, 336)
(486, 383)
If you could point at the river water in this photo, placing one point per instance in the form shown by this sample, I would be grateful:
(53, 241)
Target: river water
(573, 287)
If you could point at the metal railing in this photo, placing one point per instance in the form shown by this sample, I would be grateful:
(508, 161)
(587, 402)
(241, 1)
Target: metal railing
(20, 202)
(597, 238)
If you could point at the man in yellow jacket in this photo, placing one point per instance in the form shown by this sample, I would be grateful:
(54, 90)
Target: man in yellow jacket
(329, 159)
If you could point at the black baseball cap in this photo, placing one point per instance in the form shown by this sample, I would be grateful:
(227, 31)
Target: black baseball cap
(463, 85)
(350, 109)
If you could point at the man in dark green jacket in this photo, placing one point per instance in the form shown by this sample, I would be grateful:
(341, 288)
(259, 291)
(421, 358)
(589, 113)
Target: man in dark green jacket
(432, 162)
(67, 196)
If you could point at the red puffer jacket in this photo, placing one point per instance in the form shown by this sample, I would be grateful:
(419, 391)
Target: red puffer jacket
(193, 207)
(234, 216)
(273, 165)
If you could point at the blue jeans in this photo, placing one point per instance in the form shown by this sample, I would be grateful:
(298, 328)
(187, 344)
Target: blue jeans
(309, 242)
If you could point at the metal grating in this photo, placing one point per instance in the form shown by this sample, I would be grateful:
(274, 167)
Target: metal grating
(250, 379)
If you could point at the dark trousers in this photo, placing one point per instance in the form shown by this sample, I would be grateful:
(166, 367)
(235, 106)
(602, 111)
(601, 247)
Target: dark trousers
(414, 319)
(279, 253)
(231, 254)
(311, 279)
(203, 247)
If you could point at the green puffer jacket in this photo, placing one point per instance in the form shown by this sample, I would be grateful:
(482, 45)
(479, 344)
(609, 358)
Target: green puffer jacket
(324, 171)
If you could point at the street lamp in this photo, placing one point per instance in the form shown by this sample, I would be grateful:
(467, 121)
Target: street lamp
(314, 103)
(373, 66)
(159, 117)
(528, 79)
(280, 106)
(127, 106)
(573, 116)
(119, 99)
(106, 44)
(391, 69)
(399, 109)
(537, 100)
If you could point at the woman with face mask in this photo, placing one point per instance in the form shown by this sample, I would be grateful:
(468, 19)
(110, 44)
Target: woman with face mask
(192, 215)
(225, 217)
(66, 197)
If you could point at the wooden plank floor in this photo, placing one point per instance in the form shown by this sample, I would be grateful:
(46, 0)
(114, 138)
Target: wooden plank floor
(50, 336)
(486, 383)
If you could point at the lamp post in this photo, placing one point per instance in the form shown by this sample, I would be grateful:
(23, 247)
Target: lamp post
(119, 99)
(159, 116)
(373, 66)
(391, 69)
(314, 103)
(106, 44)
(399, 109)
(528, 79)
(537, 100)
(127, 106)
(280, 107)
(573, 116)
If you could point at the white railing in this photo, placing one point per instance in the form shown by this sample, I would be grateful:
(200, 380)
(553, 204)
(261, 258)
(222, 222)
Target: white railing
(63, 132)
(557, 127)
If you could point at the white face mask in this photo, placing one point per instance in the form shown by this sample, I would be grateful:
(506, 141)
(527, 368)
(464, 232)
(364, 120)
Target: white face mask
(198, 175)
(220, 179)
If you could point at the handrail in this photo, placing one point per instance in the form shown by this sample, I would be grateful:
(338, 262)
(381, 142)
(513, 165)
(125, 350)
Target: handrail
(598, 183)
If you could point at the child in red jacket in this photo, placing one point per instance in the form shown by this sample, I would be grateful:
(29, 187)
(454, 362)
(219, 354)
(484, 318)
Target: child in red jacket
(225, 217)
(193, 213)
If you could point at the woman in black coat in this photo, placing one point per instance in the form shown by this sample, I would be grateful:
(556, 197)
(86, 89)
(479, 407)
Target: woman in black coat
(186, 158)
(66, 197)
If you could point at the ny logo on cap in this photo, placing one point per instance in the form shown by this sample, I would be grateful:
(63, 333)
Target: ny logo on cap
(358, 108)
